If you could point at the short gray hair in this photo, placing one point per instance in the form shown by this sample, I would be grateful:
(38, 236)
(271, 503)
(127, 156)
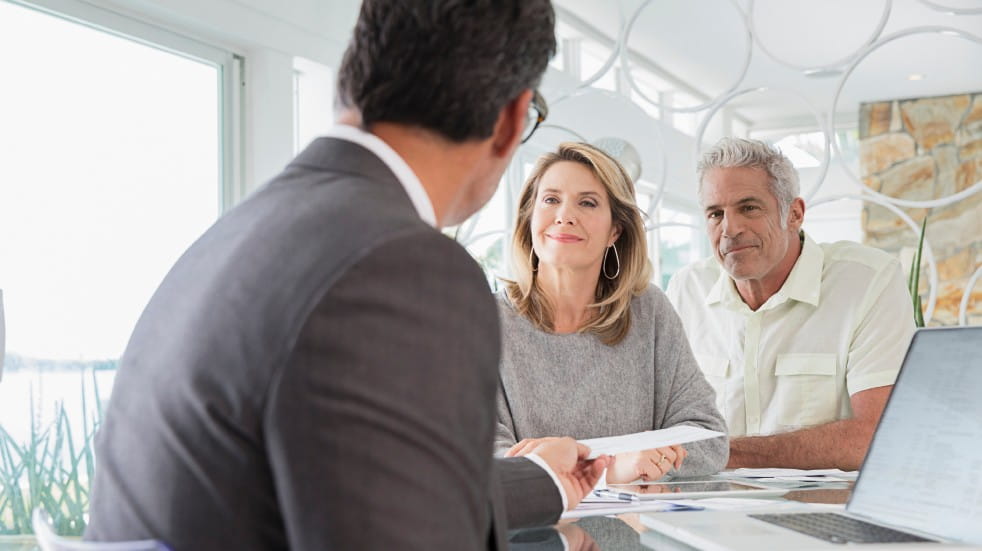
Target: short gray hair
(742, 153)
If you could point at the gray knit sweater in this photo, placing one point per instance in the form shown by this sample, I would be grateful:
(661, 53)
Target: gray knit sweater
(574, 385)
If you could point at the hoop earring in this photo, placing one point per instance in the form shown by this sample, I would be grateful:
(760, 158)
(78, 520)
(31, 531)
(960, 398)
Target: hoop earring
(616, 258)
(531, 262)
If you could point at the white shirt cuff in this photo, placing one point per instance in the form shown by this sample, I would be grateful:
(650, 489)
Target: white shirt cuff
(545, 466)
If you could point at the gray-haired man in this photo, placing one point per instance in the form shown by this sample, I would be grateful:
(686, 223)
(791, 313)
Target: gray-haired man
(802, 342)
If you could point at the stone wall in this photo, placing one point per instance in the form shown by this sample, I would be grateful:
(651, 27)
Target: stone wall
(920, 149)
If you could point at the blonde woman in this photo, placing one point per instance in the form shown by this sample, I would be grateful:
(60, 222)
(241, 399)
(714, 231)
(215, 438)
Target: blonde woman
(590, 347)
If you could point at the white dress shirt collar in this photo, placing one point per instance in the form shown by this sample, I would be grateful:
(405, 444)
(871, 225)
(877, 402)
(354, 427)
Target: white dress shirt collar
(410, 182)
(803, 284)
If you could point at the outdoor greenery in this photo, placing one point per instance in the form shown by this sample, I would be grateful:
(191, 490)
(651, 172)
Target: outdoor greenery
(51, 469)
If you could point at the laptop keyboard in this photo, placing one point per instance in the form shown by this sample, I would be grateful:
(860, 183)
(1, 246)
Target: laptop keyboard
(836, 528)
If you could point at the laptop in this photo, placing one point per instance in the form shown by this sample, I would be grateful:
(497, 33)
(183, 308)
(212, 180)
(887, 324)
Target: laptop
(921, 480)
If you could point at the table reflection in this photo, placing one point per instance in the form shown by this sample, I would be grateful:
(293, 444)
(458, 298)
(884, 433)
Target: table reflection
(624, 532)
(587, 534)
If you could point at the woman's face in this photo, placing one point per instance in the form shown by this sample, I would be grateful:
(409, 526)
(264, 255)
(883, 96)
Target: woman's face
(571, 218)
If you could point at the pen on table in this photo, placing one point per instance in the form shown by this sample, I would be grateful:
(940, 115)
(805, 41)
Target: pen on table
(606, 492)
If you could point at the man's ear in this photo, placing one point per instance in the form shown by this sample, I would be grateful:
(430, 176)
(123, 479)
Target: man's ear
(510, 124)
(796, 214)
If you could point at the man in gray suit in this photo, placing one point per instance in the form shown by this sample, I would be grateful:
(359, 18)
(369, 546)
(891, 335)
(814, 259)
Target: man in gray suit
(318, 371)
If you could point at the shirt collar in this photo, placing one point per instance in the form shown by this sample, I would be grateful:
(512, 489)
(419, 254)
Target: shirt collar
(410, 182)
(803, 284)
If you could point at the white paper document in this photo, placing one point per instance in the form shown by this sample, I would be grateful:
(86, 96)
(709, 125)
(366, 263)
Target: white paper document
(617, 507)
(680, 434)
(800, 475)
(736, 503)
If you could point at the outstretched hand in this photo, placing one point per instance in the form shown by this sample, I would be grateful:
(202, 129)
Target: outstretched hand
(651, 464)
(568, 460)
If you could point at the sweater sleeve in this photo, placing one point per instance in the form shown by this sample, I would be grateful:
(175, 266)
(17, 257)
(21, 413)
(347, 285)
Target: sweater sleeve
(682, 395)
(504, 434)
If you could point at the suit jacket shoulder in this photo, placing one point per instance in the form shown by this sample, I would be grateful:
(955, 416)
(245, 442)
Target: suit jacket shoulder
(318, 333)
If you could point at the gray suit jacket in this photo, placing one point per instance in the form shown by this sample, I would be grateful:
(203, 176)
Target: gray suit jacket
(318, 371)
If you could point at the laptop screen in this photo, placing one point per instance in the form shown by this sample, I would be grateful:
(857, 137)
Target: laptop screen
(924, 467)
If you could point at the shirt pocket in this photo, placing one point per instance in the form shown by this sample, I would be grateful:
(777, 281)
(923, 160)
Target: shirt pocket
(716, 369)
(806, 389)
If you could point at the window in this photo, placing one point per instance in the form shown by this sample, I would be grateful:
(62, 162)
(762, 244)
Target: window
(651, 86)
(486, 235)
(593, 55)
(804, 150)
(681, 241)
(117, 155)
(684, 121)
(556, 62)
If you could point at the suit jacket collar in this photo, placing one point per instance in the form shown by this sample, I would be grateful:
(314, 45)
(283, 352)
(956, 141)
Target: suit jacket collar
(396, 165)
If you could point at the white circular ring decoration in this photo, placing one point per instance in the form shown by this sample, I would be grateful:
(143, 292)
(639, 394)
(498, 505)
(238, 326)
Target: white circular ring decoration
(963, 307)
(819, 69)
(607, 65)
(932, 273)
(561, 128)
(818, 118)
(626, 63)
(615, 52)
(653, 227)
(927, 204)
(655, 131)
(951, 10)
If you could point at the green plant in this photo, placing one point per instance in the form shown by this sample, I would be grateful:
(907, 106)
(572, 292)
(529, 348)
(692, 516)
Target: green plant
(914, 278)
(51, 470)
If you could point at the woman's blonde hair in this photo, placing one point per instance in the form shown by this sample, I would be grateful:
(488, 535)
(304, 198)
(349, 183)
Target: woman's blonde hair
(612, 318)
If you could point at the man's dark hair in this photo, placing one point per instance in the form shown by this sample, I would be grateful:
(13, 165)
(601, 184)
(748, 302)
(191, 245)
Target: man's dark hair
(445, 65)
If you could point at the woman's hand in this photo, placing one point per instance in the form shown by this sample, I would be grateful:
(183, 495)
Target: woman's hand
(647, 464)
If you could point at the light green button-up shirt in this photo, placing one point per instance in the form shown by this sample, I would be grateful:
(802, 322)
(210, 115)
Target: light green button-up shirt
(840, 324)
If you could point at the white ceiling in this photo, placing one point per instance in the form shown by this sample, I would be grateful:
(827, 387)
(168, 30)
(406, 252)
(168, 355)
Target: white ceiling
(705, 44)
